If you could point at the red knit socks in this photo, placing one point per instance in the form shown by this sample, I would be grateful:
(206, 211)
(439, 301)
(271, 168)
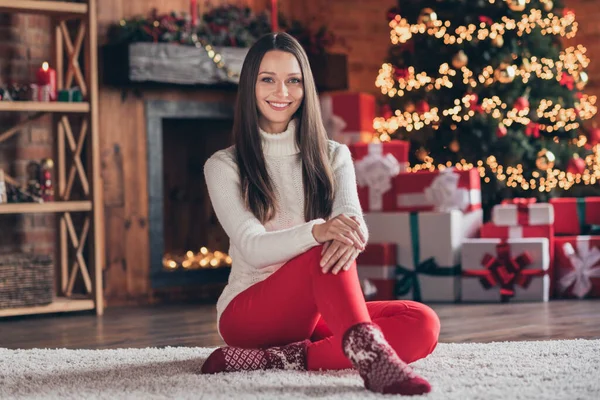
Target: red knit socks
(378, 364)
(231, 359)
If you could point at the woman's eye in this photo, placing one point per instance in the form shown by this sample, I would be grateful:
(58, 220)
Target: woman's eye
(267, 79)
(295, 80)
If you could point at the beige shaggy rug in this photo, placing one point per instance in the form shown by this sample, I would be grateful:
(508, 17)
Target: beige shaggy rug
(566, 369)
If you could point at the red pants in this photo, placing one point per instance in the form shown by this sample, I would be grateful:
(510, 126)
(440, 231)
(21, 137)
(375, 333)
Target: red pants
(300, 302)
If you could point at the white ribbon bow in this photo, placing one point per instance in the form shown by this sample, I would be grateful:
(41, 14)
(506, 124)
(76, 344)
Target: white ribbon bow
(585, 263)
(334, 124)
(376, 171)
(444, 193)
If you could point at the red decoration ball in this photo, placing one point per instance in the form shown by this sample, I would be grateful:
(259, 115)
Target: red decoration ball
(422, 106)
(473, 99)
(501, 131)
(386, 111)
(594, 136)
(521, 103)
(576, 165)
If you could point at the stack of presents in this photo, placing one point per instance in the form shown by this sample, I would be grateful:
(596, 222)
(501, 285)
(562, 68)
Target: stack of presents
(428, 241)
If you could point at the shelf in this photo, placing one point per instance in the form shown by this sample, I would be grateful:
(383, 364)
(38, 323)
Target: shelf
(53, 207)
(43, 7)
(60, 304)
(39, 106)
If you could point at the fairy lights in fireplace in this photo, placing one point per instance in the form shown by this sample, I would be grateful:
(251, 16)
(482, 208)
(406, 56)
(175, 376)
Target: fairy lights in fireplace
(204, 259)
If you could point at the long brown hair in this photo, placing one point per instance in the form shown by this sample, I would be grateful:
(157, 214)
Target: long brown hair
(256, 185)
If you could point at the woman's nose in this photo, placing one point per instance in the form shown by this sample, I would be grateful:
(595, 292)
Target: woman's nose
(281, 89)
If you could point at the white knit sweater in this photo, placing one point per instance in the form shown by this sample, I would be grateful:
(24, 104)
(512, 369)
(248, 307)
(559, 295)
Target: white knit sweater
(258, 250)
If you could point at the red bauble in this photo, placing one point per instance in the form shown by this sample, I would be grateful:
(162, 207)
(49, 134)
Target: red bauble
(400, 73)
(576, 165)
(501, 131)
(386, 110)
(594, 136)
(422, 106)
(521, 103)
(473, 99)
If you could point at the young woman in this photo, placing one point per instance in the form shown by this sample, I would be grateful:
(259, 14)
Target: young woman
(287, 198)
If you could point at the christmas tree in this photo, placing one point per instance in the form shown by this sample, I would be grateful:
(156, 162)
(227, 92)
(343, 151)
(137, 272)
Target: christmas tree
(490, 84)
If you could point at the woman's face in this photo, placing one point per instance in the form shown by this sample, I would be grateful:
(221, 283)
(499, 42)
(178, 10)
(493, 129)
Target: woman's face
(279, 90)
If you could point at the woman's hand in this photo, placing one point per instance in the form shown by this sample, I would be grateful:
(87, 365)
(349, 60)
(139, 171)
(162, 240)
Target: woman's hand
(337, 256)
(341, 228)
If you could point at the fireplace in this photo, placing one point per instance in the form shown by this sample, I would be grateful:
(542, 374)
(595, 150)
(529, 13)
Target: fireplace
(181, 136)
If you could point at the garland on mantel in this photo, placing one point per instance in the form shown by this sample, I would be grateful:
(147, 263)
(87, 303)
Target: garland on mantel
(227, 26)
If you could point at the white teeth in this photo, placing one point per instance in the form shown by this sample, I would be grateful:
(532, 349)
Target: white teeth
(280, 105)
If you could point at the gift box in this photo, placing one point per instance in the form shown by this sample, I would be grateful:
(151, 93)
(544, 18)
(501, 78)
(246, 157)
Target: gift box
(376, 267)
(496, 270)
(522, 212)
(577, 266)
(491, 231)
(348, 116)
(445, 190)
(576, 216)
(376, 165)
(427, 250)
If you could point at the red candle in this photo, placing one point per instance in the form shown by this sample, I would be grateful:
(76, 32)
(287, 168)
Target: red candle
(274, 16)
(194, 11)
(47, 76)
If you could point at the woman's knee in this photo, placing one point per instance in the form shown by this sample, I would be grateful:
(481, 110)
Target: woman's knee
(427, 326)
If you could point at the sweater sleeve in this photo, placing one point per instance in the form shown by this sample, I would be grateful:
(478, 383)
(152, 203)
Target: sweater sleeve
(346, 194)
(257, 246)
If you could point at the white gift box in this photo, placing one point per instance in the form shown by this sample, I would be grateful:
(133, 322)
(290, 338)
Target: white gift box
(531, 214)
(439, 236)
(482, 256)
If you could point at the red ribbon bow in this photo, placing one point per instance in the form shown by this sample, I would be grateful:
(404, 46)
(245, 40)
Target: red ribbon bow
(522, 204)
(505, 271)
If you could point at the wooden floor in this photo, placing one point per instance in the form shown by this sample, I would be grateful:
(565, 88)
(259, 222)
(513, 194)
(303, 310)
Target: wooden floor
(193, 325)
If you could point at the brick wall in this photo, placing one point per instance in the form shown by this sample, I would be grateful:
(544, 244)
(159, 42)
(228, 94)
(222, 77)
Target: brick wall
(24, 44)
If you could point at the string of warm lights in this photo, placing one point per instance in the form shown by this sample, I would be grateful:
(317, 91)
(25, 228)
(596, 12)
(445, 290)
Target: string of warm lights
(402, 31)
(213, 55)
(514, 176)
(561, 118)
(572, 61)
(203, 259)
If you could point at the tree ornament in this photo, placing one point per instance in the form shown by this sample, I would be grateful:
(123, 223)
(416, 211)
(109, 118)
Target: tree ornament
(547, 4)
(472, 100)
(498, 41)
(516, 5)
(594, 136)
(422, 107)
(521, 103)
(454, 146)
(505, 73)
(460, 60)
(427, 17)
(545, 160)
(421, 153)
(583, 80)
(501, 131)
(400, 73)
(386, 111)
(576, 165)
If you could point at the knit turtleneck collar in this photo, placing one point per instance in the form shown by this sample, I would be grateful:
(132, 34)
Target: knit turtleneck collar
(280, 144)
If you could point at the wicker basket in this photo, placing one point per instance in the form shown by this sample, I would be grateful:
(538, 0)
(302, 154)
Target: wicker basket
(26, 280)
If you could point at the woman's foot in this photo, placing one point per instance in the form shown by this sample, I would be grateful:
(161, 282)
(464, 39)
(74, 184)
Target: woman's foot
(378, 364)
(231, 359)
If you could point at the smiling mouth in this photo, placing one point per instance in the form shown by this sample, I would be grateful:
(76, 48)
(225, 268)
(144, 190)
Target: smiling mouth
(278, 106)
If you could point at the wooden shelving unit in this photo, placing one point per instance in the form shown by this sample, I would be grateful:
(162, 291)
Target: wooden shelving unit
(54, 8)
(54, 207)
(36, 106)
(81, 240)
